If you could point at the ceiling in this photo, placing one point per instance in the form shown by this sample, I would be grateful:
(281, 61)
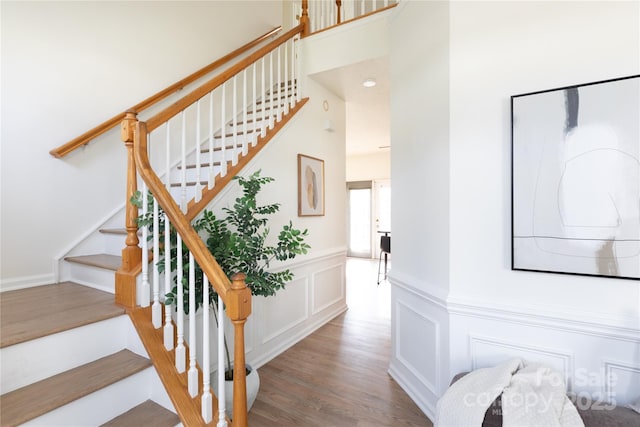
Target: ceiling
(367, 109)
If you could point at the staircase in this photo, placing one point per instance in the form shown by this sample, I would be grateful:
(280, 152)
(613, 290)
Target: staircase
(69, 353)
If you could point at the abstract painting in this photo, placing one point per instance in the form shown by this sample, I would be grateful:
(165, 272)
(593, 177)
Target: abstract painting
(310, 186)
(576, 179)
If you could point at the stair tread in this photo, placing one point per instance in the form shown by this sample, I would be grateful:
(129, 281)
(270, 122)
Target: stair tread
(26, 314)
(146, 414)
(44, 396)
(106, 261)
(113, 231)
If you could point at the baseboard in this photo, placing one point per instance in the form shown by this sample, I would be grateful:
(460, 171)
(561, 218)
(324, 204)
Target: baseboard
(26, 282)
(419, 399)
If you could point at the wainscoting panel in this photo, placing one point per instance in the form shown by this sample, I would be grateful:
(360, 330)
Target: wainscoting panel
(328, 287)
(279, 315)
(412, 352)
(599, 364)
(315, 296)
(621, 382)
(420, 342)
(486, 352)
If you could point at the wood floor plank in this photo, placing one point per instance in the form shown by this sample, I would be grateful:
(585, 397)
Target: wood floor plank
(147, 414)
(41, 397)
(32, 313)
(338, 375)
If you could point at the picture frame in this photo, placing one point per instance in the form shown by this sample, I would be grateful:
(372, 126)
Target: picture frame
(575, 179)
(310, 186)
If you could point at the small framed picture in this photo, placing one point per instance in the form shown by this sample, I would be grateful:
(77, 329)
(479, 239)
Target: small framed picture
(310, 186)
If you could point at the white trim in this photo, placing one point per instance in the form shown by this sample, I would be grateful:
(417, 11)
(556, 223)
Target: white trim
(608, 382)
(26, 282)
(418, 398)
(296, 322)
(437, 351)
(295, 338)
(550, 320)
(427, 292)
(566, 357)
(82, 237)
(315, 310)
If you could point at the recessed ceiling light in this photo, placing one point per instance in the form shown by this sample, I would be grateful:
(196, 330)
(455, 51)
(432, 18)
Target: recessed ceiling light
(369, 83)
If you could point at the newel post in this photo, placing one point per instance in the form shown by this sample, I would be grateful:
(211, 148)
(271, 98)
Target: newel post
(131, 254)
(238, 310)
(304, 18)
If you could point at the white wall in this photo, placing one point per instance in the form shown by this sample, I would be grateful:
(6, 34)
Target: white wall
(67, 66)
(369, 166)
(420, 198)
(459, 137)
(578, 324)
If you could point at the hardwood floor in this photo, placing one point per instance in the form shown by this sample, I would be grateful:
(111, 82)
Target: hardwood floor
(338, 375)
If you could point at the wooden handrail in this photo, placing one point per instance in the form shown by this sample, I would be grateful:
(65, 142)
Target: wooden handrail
(169, 112)
(190, 237)
(236, 295)
(86, 137)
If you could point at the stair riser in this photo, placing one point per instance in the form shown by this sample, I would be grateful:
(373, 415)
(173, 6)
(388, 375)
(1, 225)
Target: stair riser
(93, 277)
(102, 405)
(35, 360)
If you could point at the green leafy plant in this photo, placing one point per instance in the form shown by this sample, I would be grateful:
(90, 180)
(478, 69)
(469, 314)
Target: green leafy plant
(239, 241)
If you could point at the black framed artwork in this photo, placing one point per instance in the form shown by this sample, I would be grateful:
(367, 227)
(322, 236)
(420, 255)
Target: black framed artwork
(575, 179)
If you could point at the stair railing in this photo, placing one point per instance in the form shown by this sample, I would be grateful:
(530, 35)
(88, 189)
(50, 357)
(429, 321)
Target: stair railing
(329, 13)
(209, 133)
(91, 134)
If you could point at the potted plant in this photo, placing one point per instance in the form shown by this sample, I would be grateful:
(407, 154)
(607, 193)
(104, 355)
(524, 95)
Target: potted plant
(239, 242)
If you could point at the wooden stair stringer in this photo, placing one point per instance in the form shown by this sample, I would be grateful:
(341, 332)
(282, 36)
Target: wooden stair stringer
(208, 194)
(188, 408)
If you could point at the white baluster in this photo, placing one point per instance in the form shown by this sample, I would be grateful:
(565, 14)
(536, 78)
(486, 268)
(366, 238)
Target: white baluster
(146, 287)
(192, 376)
(362, 8)
(293, 73)
(212, 176)
(273, 105)
(263, 125)
(223, 148)
(234, 152)
(168, 324)
(180, 348)
(198, 187)
(279, 86)
(245, 140)
(298, 81)
(183, 164)
(386, 3)
(221, 366)
(156, 308)
(286, 77)
(254, 139)
(206, 400)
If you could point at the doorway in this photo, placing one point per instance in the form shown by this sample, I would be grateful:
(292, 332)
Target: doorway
(359, 218)
(369, 215)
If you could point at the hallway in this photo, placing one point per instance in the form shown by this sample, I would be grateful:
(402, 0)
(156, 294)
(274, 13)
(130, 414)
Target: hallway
(338, 375)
